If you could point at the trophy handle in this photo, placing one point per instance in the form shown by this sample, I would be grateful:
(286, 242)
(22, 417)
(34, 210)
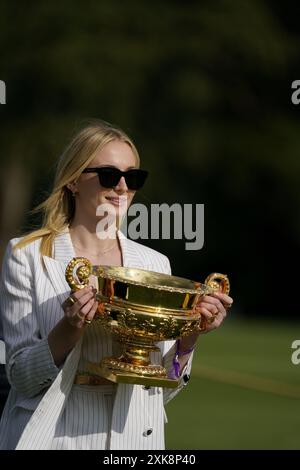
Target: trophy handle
(82, 273)
(218, 282)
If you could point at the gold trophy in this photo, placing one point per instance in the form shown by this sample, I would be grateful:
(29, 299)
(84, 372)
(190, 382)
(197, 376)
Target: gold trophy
(141, 308)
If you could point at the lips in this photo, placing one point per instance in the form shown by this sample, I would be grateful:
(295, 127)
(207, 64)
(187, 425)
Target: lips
(117, 201)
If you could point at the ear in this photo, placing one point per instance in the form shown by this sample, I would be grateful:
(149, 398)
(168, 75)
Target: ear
(72, 187)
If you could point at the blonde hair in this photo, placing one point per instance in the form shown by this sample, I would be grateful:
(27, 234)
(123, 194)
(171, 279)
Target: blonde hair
(59, 208)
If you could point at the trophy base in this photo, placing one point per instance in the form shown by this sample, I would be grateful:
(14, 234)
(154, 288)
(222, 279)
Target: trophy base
(131, 378)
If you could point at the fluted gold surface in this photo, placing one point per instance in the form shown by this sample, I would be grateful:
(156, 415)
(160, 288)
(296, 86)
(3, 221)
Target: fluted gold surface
(142, 307)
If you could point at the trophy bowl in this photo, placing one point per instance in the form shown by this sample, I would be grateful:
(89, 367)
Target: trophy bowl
(142, 308)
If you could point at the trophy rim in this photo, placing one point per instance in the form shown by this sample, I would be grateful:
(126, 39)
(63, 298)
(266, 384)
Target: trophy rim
(113, 273)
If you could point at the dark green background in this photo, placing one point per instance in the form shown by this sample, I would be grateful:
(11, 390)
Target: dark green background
(204, 89)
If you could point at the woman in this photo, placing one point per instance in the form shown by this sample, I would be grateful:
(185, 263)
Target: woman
(48, 332)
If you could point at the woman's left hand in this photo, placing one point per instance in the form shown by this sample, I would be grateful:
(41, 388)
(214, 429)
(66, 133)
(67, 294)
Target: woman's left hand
(213, 309)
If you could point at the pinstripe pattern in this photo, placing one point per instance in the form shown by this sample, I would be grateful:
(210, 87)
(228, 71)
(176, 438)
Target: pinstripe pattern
(44, 407)
(86, 420)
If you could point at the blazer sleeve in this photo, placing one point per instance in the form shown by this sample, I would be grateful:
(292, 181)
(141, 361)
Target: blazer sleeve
(168, 352)
(29, 364)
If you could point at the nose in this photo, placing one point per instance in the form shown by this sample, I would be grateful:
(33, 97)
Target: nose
(121, 186)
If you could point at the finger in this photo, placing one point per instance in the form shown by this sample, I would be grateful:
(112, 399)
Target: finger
(73, 298)
(216, 320)
(80, 318)
(82, 301)
(212, 300)
(224, 298)
(82, 306)
(81, 292)
(87, 307)
(207, 325)
(90, 315)
(221, 307)
(206, 313)
(222, 312)
(212, 308)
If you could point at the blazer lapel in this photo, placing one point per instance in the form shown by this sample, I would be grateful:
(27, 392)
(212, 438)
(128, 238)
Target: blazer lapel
(64, 252)
(56, 266)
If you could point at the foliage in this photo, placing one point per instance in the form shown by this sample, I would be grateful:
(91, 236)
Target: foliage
(203, 88)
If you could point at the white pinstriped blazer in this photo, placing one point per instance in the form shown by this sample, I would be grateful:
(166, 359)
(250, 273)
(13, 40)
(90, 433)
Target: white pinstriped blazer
(30, 299)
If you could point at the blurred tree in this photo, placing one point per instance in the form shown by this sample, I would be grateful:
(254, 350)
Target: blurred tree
(203, 88)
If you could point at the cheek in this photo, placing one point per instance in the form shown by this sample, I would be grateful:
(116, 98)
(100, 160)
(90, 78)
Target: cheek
(90, 191)
(102, 192)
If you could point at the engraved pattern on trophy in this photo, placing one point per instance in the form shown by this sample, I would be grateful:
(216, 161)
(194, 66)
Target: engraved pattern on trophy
(142, 308)
(83, 273)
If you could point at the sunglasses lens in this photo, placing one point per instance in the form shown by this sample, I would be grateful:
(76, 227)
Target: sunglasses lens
(135, 179)
(109, 177)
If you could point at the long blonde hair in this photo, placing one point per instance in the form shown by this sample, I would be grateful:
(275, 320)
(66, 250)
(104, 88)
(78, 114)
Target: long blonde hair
(59, 208)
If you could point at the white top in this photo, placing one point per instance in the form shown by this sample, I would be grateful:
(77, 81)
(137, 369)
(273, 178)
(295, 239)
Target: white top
(2, 352)
(44, 409)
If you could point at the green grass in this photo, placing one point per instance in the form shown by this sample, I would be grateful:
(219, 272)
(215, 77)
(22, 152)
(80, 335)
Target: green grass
(244, 391)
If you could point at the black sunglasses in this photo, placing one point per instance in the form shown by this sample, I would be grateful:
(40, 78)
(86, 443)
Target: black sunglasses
(109, 176)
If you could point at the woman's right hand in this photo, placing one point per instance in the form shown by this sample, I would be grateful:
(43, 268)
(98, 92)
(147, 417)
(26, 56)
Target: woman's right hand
(80, 307)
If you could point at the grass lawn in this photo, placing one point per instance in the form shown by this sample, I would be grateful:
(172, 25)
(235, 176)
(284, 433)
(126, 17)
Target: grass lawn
(244, 391)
